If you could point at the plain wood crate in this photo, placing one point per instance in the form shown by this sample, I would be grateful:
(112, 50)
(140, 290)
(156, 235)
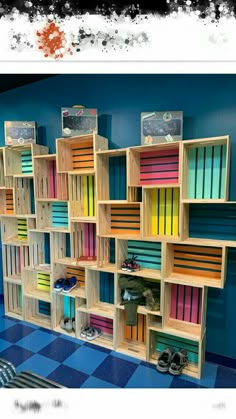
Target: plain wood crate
(67, 271)
(83, 242)
(82, 197)
(2, 176)
(76, 154)
(37, 284)
(119, 219)
(159, 340)
(161, 213)
(14, 230)
(154, 165)
(52, 215)
(196, 265)
(37, 311)
(39, 248)
(149, 256)
(206, 169)
(131, 340)
(185, 309)
(18, 160)
(112, 177)
(13, 304)
(106, 248)
(7, 201)
(100, 291)
(48, 183)
(65, 306)
(14, 259)
(106, 324)
(23, 195)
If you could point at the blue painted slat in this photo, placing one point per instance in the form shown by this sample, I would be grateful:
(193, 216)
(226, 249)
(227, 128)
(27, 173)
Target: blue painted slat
(200, 173)
(148, 254)
(191, 172)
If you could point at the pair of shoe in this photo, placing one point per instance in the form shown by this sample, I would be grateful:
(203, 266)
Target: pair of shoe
(90, 332)
(68, 324)
(130, 265)
(172, 362)
(65, 284)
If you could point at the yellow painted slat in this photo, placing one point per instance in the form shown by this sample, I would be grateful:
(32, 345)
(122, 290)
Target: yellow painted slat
(90, 191)
(154, 203)
(162, 211)
(176, 212)
(85, 192)
(168, 211)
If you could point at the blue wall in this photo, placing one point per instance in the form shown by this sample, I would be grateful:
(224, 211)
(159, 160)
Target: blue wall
(209, 106)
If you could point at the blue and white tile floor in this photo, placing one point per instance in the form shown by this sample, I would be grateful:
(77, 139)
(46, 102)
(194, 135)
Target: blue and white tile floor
(74, 363)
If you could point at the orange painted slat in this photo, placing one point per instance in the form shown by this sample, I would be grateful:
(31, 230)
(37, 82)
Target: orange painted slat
(198, 257)
(125, 232)
(128, 218)
(83, 165)
(195, 272)
(77, 159)
(124, 212)
(120, 224)
(198, 249)
(197, 264)
(82, 152)
(85, 144)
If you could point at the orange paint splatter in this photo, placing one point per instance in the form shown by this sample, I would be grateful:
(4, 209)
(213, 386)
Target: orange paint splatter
(52, 41)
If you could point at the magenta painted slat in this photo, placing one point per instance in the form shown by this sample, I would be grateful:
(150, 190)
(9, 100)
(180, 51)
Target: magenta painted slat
(173, 301)
(155, 160)
(187, 307)
(159, 181)
(180, 302)
(165, 175)
(160, 168)
(194, 307)
(86, 239)
(165, 152)
(200, 308)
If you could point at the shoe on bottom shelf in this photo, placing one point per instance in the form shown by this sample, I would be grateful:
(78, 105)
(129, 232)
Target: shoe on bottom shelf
(93, 333)
(84, 330)
(164, 360)
(69, 284)
(178, 361)
(67, 324)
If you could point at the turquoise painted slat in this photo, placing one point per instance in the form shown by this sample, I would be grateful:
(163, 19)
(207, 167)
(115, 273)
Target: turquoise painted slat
(223, 172)
(208, 173)
(216, 173)
(59, 214)
(191, 173)
(145, 245)
(192, 357)
(44, 308)
(26, 162)
(107, 287)
(148, 254)
(66, 306)
(200, 173)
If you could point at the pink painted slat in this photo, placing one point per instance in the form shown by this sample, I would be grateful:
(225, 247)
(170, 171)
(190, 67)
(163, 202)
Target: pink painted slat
(56, 182)
(187, 307)
(180, 303)
(200, 307)
(173, 301)
(160, 168)
(158, 181)
(106, 325)
(194, 305)
(86, 233)
(159, 153)
(163, 160)
(94, 239)
(163, 175)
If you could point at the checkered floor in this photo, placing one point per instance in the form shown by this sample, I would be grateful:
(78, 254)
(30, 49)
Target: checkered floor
(74, 363)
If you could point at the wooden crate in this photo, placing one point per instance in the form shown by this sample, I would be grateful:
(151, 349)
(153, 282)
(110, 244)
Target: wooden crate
(48, 183)
(106, 324)
(196, 265)
(13, 304)
(64, 307)
(38, 311)
(84, 242)
(52, 215)
(159, 340)
(119, 219)
(82, 197)
(161, 213)
(206, 169)
(18, 160)
(100, 290)
(185, 309)
(154, 165)
(112, 174)
(76, 154)
(14, 259)
(106, 248)
(14, 230)
(60, 247)
(67, 271)
(23, 196)
(37, 283)
(7, 201)
(2, 173)
(40, 249)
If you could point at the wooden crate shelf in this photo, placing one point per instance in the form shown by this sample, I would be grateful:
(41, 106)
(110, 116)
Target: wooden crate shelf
(65, 271)
(119, 220)
(131, 340)
(18, 160)
(37, 310)
(52, 215)
(206, 168)
(23, 195)
(107, 338)
(39, 248)
(15, 259)
(154, 165)
(100, 291)
(48, 183)
(161, 213)
(106, 248)
(13, 300)
(196, 265)
(65, 306)
(2, 172)
(82, 197)
(15, 230)
(84, 243)
(76, 154)
(37, 284)
(7, 201)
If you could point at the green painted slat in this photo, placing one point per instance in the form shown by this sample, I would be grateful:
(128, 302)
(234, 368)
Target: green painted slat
(192, 356)
(208, 173)
(147, 245)
(191, 173)
(200, 173)
(162, 336)
(223, 172)
(216, 172)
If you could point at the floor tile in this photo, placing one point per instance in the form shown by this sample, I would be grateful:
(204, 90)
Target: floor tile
(72, 339)
(115, 371)
(97, 347)
(15, 333)
(93, 382)
(68, 377)
(85, 359)
(125, 357)
(39, 365)
(149, 378)
(16, 354)
(4, 344)
(36, 340)
(6, 323)
(225, 377)
(208, 376)
(59, 349)
(182, 383)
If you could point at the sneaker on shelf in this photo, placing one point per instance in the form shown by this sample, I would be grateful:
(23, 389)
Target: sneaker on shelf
(66, 324)
(69, 284)
(93, 333)
(133, 266)
(58, 284)
(84, 330)
(124, 265)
